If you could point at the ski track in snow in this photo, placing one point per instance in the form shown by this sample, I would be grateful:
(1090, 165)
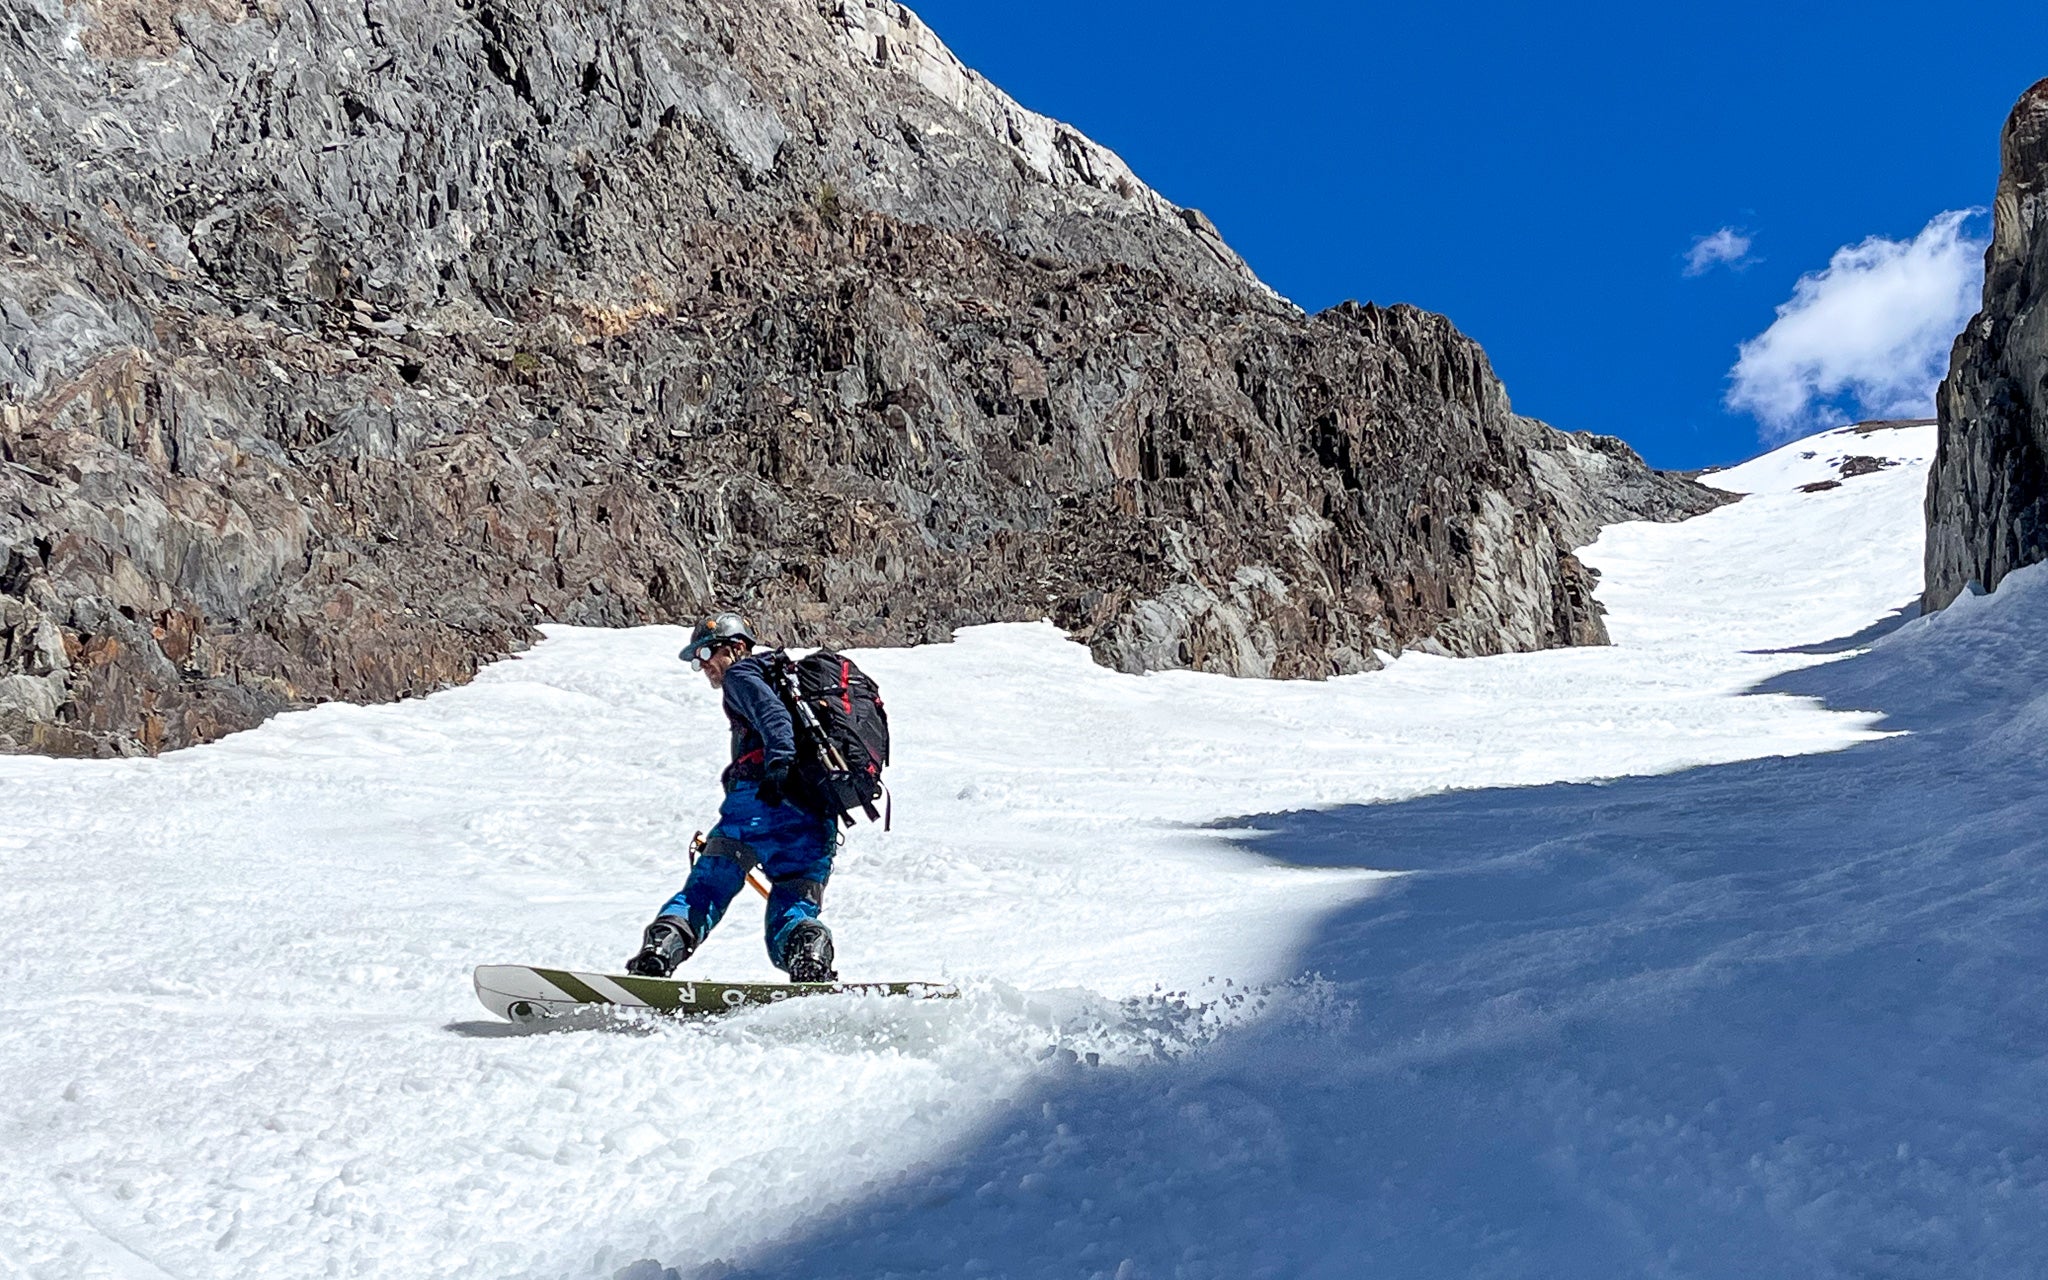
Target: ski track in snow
(240, 1038)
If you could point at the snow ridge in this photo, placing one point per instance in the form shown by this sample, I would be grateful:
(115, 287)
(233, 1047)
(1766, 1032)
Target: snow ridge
(1717, 952)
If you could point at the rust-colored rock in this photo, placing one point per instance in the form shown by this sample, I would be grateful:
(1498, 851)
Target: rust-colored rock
(340, 345)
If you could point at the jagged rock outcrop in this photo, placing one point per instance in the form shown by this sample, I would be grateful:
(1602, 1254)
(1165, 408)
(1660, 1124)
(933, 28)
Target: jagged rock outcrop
(1987, 499)
(342, 344)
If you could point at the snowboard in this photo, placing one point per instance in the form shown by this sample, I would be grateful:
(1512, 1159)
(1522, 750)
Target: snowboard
(525, 995)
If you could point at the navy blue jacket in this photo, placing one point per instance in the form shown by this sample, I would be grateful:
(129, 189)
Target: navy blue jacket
(762, 732)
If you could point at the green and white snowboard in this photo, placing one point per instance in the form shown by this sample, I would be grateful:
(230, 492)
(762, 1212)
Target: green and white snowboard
(523, 994)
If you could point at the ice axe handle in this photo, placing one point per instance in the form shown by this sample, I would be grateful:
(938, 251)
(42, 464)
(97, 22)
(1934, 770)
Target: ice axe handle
(755, 879)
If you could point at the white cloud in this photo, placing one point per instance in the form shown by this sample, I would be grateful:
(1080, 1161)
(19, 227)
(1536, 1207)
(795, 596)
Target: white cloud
(1726, 247)
(1873, 329)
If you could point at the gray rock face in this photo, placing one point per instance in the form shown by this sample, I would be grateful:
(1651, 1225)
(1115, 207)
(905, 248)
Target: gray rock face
(1987, 499)
(343, 343)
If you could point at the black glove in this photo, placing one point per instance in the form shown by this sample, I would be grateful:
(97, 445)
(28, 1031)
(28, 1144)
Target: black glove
(774, 781)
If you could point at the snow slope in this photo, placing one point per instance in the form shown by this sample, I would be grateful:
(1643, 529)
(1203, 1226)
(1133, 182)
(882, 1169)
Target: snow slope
(1764, 1008)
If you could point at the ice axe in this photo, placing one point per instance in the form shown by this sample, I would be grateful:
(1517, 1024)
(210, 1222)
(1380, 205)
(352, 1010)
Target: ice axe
(755, 880)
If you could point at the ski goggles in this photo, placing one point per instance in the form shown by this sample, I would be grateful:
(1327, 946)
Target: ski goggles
(703, 649)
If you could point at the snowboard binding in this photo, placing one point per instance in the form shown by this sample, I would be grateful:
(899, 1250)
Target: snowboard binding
(666, 943)
(807, 954)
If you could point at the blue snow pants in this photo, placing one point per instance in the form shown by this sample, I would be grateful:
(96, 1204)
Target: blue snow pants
(792, 847)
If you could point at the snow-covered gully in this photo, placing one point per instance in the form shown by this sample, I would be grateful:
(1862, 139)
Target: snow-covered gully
(1717, 952)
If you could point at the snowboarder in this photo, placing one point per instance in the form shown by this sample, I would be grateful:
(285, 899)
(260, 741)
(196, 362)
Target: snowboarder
(767, 820)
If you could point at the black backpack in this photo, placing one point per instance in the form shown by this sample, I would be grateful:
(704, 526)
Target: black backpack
(842, 732)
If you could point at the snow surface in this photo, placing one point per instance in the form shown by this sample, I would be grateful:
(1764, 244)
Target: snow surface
(1371, 977)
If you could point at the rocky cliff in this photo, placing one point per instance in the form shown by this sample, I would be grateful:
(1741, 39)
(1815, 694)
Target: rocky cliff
(1987, 499)
(340, 344)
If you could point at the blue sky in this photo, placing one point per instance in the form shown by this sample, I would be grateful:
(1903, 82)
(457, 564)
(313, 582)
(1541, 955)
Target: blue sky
(1541, 175)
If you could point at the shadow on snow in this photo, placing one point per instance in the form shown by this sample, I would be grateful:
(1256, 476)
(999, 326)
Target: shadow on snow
(1776, 1018)
(1870, 635)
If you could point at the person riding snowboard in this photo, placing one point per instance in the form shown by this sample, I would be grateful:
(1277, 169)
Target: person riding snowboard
(767, 820)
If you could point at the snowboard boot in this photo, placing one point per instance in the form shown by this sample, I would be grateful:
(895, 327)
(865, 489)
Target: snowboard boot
(807, 954)
(667, 943)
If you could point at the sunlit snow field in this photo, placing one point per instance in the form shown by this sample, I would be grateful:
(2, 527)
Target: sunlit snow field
(241, 1040)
